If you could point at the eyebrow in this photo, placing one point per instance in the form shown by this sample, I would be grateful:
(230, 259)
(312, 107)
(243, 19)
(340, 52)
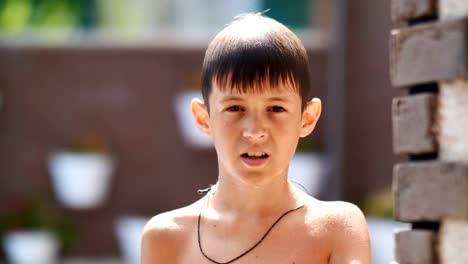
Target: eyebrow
(231, 98)
(271, 99)
(279, 99)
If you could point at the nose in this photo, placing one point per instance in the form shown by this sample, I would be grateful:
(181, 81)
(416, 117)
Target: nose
(255, 128)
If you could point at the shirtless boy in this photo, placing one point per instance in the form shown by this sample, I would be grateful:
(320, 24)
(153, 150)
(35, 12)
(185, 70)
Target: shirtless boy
(256, 89)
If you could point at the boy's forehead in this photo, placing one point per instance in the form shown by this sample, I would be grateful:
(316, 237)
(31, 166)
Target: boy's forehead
(260, 89)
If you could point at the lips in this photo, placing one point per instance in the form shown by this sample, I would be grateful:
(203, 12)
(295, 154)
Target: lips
(255, 158)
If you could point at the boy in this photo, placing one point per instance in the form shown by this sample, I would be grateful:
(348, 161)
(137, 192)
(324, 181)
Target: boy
(255, 85)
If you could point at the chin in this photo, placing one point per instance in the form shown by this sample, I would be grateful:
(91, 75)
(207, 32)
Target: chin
(255, 176)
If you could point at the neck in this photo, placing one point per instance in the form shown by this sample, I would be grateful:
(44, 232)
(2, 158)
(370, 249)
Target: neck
(235, 197)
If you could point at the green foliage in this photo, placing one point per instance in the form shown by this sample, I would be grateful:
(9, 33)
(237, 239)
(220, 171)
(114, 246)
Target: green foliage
(308, 144)
(35, 214)
(293, 13)
(379, 204)
(19, 15)
(55, 13)
(14, 15)
(90, 142)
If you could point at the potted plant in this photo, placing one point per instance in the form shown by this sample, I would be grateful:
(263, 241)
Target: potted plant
(185, 121)
(307, 167)
(128, 230)
(81, 174)
(32, 232)
(187, 126)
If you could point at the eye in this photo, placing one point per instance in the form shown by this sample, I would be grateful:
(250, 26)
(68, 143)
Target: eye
(234, 108)
(277, 109)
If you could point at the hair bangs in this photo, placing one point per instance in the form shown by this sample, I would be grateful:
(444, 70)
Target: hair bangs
(255, 54)
(251, 69)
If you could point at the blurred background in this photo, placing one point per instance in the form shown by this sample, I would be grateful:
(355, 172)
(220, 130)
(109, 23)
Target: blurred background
(95, 128)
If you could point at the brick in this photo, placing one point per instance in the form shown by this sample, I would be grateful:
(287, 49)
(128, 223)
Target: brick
(412, 119)
(428, 52)
(430, 191)
(453, 120)
(453, 238)
(415, 247)
(449, 9)
(402, 10)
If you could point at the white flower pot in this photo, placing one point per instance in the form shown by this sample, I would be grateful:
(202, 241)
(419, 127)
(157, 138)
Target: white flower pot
(81, 180)
(307, 169)
(26, 247)
(128, 230)
(186, 123)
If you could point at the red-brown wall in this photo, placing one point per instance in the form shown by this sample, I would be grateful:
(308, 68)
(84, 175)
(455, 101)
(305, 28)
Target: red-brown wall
(54, 95)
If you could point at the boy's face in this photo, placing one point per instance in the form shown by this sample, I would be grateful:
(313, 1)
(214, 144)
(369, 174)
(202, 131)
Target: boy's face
(255, 133)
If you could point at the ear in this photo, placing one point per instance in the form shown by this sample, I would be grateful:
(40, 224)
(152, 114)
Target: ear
(310, 116)
(200, 114)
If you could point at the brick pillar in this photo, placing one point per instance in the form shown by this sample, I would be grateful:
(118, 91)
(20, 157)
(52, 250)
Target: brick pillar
(429, 58)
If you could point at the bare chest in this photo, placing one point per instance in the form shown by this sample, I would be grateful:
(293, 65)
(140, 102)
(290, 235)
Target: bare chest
(278, 247)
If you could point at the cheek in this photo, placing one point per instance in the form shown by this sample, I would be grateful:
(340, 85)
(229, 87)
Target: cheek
(287, 134)
(287, 125)
(228, 125)
(223, 134)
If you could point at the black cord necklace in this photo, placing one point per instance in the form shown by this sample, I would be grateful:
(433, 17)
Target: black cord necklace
(248, 250)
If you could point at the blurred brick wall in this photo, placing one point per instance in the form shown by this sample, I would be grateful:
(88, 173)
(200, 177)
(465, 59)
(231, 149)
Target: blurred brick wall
(53, 95)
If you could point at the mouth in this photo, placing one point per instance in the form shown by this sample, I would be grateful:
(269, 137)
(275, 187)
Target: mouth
(254, 159)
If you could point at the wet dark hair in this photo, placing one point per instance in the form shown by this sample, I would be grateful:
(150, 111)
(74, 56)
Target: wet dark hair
(252, 51)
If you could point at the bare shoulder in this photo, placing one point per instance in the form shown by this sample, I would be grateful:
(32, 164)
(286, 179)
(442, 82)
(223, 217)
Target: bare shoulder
(165, 234)
(171, 221)
(344, 214)
(346, 229)
(336, 213)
